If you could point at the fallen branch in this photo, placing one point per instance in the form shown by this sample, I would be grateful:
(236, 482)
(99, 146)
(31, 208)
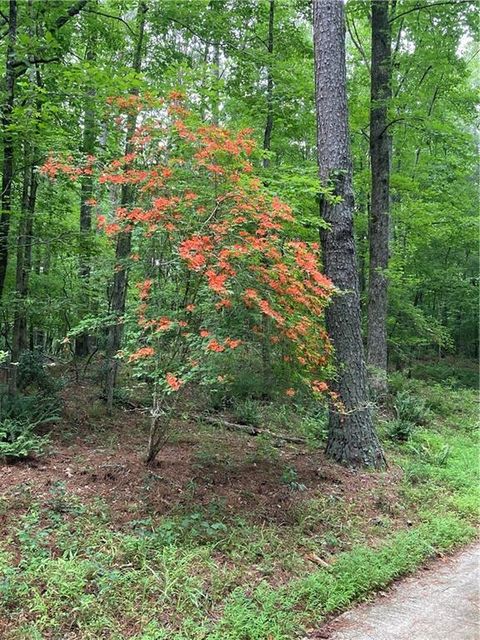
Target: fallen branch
(253, 431)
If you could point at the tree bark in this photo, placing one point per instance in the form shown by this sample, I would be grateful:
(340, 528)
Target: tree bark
(24, 254)
(267, 135)
(267, 145)
(82, 342)
(8, 143)
(351, 438)
(124, 242)
(380, 147)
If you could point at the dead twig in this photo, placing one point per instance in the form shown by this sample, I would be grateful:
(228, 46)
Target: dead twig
(251, 430)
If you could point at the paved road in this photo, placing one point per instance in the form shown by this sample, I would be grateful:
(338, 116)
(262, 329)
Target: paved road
(443, 603)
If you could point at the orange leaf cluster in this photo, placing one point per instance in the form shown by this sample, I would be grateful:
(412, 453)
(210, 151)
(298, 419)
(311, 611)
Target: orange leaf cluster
(224, 235)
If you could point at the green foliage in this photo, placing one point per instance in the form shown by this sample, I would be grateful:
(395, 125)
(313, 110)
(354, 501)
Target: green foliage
(455, 372)
(33, 373)
(400, 430)
(356, 573)
(196, 528)
(290, 478)
(62, 502)
(21, 418)
(411, 411)
(433, 274)
(246, 412)
(18, 440)
(65, 568)
(268, 613)
(265, 449)
(450, 403)
(248, 381)
(314, 425)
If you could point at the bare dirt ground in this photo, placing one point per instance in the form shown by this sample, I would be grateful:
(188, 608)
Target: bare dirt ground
(95, 456)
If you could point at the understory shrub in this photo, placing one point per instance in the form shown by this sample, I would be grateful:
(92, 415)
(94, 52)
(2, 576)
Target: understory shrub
(18, 440)
(230, 275)
(34, 374)
(411, 411)
(21, 420)
(400, 430)
(24, 414)
(411, 408)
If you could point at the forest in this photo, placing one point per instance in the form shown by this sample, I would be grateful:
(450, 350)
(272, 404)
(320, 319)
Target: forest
(238, 310)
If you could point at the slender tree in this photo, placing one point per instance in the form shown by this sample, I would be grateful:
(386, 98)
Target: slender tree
(14, 69)
(351, 439)
(267, 136)
(267, 146)
(119, 287)
(8, 142)
(86, 194)
(24, 252)
(380, 147)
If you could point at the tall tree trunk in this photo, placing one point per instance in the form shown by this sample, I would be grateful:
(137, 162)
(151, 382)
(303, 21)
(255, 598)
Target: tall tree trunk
(213, 7)
(8, 145)
(124, 241)
(24, 254)
(216, 75)
(267, 145)
(86, 193)
(267, 135)
(380, 147)
(351, 438)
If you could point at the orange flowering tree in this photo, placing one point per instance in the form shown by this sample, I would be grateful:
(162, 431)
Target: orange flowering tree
(211, 257)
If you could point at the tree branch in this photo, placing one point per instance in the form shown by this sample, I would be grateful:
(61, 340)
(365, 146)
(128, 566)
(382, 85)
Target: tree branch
(392, 122)
(109, 15)
(22, 65)
(224, 44)
(251, 430)
(429, 6)
(71, 13)
(357, 43)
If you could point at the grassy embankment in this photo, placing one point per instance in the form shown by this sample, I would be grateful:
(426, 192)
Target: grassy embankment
(232, 538)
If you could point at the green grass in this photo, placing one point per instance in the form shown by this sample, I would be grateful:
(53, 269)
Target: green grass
(106, 584)
(204, 575)
(459, 373)
(278, 614)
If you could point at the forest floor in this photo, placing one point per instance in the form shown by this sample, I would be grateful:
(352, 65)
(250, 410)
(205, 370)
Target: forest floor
(229, 537)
